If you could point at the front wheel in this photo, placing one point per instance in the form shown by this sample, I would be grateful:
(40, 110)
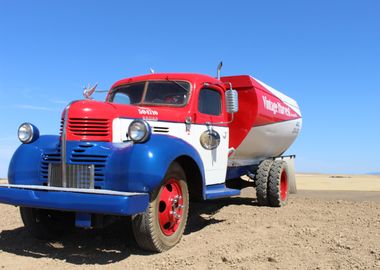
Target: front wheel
(162, 225)
(46, 224)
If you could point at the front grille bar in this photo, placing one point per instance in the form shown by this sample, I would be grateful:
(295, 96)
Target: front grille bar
(63, 144)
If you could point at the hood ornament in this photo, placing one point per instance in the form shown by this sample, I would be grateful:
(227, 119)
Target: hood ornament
(88, 91)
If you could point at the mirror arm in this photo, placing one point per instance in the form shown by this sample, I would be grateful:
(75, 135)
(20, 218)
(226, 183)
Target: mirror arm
(222, 123)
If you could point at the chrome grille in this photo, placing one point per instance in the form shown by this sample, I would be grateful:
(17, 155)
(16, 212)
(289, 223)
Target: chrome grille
(61, 127)
(77, 176)
(49, 157)
(82, 154)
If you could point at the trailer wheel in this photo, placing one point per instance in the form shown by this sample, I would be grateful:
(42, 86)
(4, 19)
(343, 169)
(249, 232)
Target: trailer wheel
(46, 224)
(278, 185)
(291, 175)
(261, 182)
(292, 185)
(162, 225)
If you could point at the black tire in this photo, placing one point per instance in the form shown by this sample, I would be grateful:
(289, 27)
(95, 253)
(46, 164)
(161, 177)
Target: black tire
(261, 182)
(292, 185)
(46, 224)
(278, 184)
(291, 176)
(147, 230)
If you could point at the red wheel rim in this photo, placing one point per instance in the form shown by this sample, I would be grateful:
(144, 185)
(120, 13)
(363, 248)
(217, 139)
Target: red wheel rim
(284, 186)
(170, 206)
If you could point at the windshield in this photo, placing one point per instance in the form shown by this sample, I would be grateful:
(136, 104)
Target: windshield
(166, 93)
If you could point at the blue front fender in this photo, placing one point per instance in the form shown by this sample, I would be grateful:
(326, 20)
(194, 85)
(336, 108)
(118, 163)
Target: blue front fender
(142, 167)
(25, 165)
(119, 166)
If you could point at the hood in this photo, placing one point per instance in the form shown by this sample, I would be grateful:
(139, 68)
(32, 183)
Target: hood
(90, 120)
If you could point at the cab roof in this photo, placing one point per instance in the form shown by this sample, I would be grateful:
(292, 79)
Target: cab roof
(191, 77)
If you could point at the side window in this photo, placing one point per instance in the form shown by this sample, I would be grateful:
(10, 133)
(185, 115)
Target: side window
(210, 102)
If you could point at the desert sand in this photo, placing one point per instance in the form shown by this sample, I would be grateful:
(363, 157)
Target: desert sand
(327, 225)
(338, 182)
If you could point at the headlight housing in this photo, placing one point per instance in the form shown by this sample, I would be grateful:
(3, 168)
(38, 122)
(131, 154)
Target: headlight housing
(139, 131)
(28, 133)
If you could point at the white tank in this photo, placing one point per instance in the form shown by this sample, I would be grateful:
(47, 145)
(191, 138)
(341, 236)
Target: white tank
(266, 124)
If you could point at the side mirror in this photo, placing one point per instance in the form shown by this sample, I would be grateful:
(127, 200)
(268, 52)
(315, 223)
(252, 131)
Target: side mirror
(232, 101)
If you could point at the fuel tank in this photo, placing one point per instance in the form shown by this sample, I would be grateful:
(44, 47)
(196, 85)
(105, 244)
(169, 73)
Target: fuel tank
(266, 125)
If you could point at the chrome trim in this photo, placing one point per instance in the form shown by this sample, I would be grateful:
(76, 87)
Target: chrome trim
(88, 91)
(232, 101)
(210, 139)
(63, 143)
(78, 176)
(31, 130)
(76, 190)
(147, 128)
(218, 69)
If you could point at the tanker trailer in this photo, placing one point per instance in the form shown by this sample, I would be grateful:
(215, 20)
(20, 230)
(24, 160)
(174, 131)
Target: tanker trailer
(156, 142)
(265, 126)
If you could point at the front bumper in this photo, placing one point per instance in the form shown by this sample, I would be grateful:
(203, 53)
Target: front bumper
(75, 200)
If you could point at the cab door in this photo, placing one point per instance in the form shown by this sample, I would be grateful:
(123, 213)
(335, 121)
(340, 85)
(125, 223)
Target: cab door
(212, 133)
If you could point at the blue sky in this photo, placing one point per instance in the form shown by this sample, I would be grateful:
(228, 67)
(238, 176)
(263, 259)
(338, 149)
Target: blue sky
(325, 54)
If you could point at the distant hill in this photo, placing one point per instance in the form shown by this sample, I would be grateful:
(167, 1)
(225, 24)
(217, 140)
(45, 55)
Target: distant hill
(374, 173)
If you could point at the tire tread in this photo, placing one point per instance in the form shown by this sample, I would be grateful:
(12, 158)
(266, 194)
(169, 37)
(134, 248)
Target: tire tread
(261, 179)
(143, 224)
(274, 182)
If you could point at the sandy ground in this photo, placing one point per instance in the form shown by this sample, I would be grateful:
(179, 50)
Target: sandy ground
(338, 182)
(328, 229)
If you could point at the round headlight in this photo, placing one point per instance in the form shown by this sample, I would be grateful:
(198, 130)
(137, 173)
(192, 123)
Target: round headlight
(139, 131)
(27, 133)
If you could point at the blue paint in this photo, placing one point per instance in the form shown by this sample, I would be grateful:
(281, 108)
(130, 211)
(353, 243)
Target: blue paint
(236, 172)
(220, 191)
(118, 166)
(142, 167)
(83, 220)
(75, 202)
(25, 164)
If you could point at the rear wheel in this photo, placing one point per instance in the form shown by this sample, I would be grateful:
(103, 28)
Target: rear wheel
(278, 184)
(261, 182)
(46, 224)
(162, 225)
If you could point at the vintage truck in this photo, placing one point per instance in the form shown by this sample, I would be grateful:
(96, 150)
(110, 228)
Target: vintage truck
(157, 142)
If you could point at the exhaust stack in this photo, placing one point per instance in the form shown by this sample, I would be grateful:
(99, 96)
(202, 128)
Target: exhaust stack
(218, 70)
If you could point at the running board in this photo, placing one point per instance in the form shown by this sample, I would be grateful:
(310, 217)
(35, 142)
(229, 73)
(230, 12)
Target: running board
(220, 191)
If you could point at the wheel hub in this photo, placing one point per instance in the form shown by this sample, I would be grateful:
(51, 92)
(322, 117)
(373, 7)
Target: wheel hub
(170, 206)
(283, 186)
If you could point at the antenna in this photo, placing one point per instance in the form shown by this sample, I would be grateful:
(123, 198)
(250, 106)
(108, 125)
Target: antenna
(218, 70)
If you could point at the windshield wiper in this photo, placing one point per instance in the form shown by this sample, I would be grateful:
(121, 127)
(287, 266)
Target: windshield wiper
(180, 85)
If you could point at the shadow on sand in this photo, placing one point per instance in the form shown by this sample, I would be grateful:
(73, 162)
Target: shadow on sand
(109, 245)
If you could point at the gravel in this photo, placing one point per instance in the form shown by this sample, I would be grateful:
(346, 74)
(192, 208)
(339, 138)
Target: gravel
(234, 233)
